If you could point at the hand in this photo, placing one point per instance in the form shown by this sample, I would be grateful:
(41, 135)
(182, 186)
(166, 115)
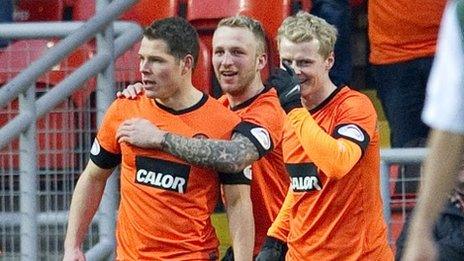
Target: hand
(273, 250)
(420, 248)
(131, 91)
(74, 255)
(287, 85)
(141, 133)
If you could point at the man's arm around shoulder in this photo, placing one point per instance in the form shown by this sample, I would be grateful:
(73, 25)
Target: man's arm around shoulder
(228, 156)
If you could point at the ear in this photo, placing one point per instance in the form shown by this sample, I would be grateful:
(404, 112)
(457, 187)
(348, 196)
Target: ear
(187, 64)
(329, 62)
(261, 61)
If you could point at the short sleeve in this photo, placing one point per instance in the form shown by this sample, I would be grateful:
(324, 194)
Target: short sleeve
(267, 113)
(258, 135)
(242, 177)
(105, 151)
(357, 121)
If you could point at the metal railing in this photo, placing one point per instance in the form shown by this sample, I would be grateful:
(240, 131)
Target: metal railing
(31, 109)
(389, 157)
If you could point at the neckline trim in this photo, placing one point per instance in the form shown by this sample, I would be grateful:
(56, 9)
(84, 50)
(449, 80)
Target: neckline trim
(327, 100)
(251, 100)
(200, 103)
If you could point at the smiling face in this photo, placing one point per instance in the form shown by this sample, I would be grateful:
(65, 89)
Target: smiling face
(161, 71)
(236, 60)
(307, 42)
(312, 69)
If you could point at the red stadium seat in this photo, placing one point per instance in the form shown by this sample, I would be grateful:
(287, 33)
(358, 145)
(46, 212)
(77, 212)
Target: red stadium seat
(271, 14)
(402, 199)
(127, 66)
(39, 10)
(144, 12)
(82, 10)
(403, 188)
(203, 73)
(18, 55)
(205, 15)
(56, 141)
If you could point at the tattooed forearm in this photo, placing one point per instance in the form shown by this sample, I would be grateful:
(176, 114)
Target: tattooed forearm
(228, 156)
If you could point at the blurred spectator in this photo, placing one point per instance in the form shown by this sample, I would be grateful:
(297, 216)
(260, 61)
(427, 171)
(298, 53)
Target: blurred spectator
(447, 232)
(444, 113)
(6, 16)
(403, 37)
(337, 13)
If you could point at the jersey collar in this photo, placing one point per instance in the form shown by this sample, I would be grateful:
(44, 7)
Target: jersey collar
(186, 110)
(249, 101)
(327, 100)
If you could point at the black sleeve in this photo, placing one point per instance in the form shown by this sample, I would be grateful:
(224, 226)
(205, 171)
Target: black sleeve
(354, 133)
(258, 135)
(103, 158)
(243, 177)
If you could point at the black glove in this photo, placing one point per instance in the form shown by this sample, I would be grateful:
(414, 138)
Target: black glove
(273, 250)
(229, 255)
(287, 85)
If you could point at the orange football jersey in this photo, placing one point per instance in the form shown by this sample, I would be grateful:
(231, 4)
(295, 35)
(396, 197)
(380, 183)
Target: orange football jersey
(270, 180)
(334, 214)
(165, 207)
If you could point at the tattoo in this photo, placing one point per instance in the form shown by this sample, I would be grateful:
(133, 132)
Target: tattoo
(229, 156)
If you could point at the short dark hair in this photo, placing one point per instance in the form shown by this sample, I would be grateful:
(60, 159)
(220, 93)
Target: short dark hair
(180, 36)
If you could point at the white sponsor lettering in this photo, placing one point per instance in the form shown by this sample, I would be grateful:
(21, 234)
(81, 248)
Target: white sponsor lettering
(167, 181)
(305, 183)
(352, 131)
(262, 135)
(141, 175)
(150, 177)
(160, 180)
(95, 150)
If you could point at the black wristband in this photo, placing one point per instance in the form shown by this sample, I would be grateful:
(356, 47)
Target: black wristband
(272, 242)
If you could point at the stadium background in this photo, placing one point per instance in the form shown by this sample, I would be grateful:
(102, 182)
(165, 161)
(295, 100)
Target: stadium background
(64, 135)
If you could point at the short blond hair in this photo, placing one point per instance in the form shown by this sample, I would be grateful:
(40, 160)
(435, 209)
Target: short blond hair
(304, 27)
(249, 23)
